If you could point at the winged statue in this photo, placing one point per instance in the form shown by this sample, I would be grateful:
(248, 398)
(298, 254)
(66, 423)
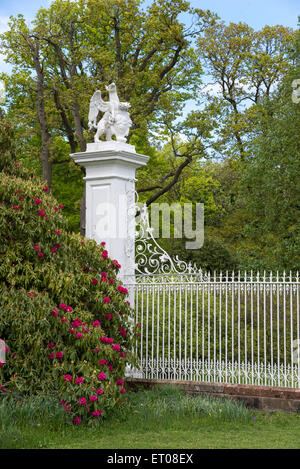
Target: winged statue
(116, 119)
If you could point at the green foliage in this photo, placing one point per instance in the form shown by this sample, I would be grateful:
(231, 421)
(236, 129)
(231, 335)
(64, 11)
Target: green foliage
(270, 180)
(48, 279)
(214, 255)
(73, 48)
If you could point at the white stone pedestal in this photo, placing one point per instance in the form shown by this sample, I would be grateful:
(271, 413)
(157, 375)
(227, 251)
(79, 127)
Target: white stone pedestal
(110, 195)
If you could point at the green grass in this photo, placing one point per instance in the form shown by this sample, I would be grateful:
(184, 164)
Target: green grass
(159, 419)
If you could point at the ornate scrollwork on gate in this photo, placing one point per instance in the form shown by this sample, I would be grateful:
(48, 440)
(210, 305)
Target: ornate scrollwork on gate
(151, 258)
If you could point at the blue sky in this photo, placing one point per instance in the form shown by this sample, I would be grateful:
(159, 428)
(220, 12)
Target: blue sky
(257, 13)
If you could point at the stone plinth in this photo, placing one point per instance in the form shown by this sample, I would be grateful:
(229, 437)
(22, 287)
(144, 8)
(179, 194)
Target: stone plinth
(110, 194)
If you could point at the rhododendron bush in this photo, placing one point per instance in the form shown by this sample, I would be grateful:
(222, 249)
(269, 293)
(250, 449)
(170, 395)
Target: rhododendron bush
(64, 315)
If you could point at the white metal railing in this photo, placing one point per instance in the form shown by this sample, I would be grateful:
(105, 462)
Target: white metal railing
(238, 328)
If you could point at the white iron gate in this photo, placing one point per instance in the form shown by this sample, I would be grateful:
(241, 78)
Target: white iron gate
(234, 328)
(231, 329)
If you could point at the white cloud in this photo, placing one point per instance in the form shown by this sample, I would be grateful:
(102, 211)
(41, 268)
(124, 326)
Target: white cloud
(212, 89)
(3, 23)
(3, 28)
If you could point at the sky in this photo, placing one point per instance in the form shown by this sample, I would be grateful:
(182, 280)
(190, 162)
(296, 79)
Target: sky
(256, 13)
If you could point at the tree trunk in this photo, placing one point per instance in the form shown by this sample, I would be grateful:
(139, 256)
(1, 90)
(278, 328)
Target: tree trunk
(42, 117)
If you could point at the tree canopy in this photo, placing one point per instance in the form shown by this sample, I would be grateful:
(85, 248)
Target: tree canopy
(236, 149)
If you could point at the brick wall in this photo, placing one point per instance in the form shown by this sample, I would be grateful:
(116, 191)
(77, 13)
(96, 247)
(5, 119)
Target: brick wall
(259, 397)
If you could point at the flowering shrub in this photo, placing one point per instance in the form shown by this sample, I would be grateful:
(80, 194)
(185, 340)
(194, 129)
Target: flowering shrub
(63, 313)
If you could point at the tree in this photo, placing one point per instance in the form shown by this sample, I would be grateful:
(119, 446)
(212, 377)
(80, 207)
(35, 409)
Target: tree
(270, 183)
(73, 48)
(244, 66)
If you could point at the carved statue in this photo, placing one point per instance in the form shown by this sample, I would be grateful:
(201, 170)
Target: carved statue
(116, 120)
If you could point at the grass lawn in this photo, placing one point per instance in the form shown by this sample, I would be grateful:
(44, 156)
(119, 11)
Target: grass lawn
(158, 419)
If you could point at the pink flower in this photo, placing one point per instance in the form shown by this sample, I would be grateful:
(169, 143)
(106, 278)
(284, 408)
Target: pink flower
(37, 201)
(82, 401)
(79, 380)
(59, 355)
(119, 382)
(68, 378)
(21, 197)
(50, 345)
(106, 299)
(108, 316)
(93, 398)
(56, 209)
(101, 376)
(96, 413)
(54, 312)
(77, 421)
(41, 255)
(76, 323)
(103, 243)
(105, 254)
(111, 280)
(106, 340)
(36, 248)
(63, 320)
(16, 207)
(68, 408)
(122, 289)
(95, 281)
(116, 347)
(68, 309)
(41, 213)
(53, 249)
(72, 331)
(51, 356)
(61, 206)
(116, 264)
(62, 402)
(78, 335)
(62, 306)
(96, 324)
(102, 361)
(57, 232)
(31, 294)
(122, 390)
(99, 391)
(123, 354)
(46, 189)
(57, 245)
(1, 364)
